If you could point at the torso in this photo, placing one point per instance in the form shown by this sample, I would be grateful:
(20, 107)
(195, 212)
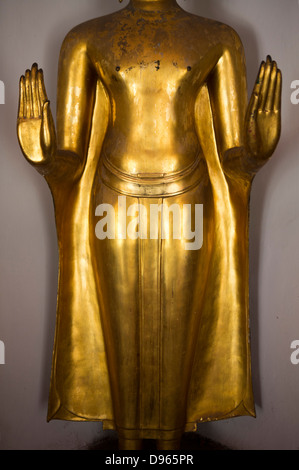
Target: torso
(152, 66)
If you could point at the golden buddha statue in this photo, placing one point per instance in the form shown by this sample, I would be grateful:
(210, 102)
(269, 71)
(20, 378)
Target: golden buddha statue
(152, 336)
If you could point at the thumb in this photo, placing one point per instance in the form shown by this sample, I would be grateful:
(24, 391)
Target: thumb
(48, 138)
(253, 106)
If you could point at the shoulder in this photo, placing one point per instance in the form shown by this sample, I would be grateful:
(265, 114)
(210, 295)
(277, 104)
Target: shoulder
(86, 30)
(84, 33)
(218, 33)
(226, 35)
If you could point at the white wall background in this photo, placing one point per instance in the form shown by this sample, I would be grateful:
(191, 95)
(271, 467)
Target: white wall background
(33, 30)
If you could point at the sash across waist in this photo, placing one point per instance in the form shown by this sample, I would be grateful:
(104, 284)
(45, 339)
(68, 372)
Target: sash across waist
(152, 184)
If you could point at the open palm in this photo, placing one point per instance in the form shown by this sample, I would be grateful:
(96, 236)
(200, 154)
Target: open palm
(35, 126)
(263, 120)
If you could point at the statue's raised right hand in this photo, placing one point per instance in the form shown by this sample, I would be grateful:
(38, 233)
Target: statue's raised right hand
(35, 127)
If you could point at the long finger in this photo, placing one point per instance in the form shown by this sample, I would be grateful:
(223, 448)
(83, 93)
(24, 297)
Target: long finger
(35, 99)
(21, 112)
(266, 80)
(29, 110)
(41, 88)
(277, 94)
(271, 88)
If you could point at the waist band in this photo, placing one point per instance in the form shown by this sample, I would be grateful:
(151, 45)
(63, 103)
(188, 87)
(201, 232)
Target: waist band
(152, 184)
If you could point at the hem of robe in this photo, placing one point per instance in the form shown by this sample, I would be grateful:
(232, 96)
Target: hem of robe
(63, 414)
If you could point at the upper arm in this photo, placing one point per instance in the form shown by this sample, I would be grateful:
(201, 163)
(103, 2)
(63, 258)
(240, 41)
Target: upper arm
(228, 94)
(76, 95)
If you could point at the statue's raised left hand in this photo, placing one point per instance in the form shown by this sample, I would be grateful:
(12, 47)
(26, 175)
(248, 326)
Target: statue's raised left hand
(36, 130)
(263, 119)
